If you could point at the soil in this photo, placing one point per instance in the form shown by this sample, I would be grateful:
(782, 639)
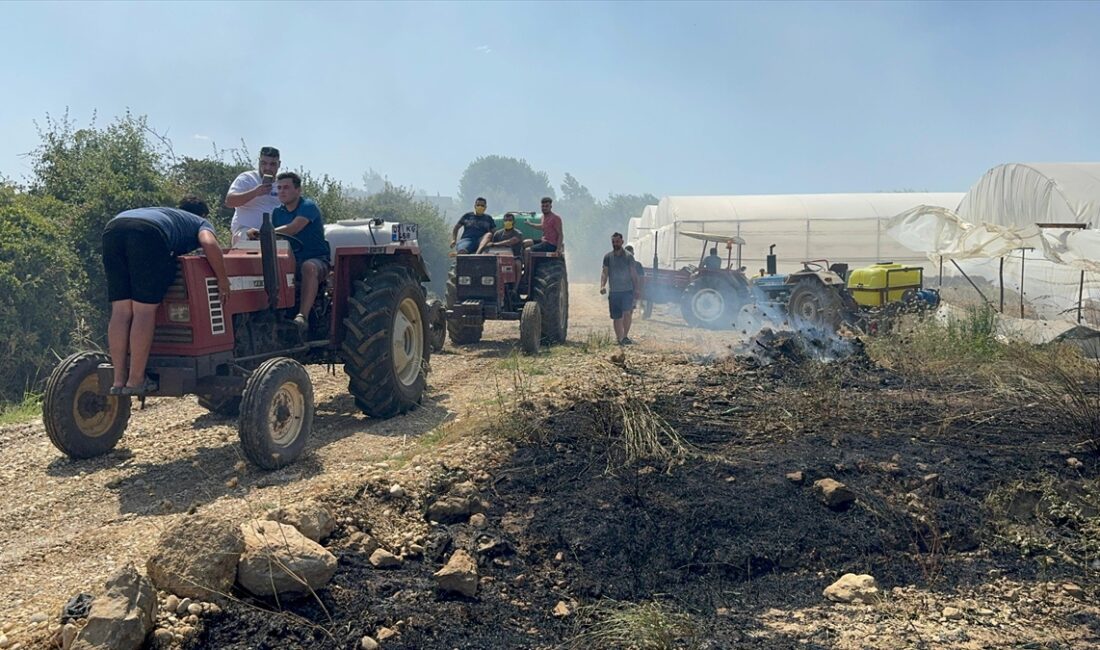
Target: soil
(961, 500)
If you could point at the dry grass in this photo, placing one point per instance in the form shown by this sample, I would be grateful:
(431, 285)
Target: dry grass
(29, 409)
(639, 626)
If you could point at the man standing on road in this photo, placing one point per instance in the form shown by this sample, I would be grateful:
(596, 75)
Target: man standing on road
(619, 270)
(139, 258)
(475, 225)
(253, 193)
(550, 225)
(300, 218)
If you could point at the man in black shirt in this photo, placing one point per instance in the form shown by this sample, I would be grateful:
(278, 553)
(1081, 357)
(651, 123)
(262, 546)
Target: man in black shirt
(506, 237)
(475, 225)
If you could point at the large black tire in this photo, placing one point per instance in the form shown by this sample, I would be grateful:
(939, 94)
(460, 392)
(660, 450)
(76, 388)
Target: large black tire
(79, 421)
(711, 302)
(437, 324)
(530, 328)
(460, 334)
(814, 306)
(229, 407)
(276, 413)
(551, 290)
(387, 344)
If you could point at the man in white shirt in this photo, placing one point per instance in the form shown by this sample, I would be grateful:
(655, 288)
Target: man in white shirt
(252, 194)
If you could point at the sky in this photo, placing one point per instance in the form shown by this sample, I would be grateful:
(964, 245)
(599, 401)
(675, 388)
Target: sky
(629, 97)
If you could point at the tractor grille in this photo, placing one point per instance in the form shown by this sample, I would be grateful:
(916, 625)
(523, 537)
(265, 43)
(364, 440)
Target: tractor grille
(177, 290)
(482, 273)
(172, 334)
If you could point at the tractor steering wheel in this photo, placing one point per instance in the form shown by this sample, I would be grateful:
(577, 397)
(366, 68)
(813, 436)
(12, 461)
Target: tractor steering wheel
(813, 266)
(295, 243)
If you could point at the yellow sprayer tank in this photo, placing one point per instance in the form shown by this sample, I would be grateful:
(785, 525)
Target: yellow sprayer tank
(884, 282)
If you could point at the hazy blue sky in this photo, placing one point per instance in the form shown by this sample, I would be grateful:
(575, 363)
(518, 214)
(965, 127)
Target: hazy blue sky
(676, 98)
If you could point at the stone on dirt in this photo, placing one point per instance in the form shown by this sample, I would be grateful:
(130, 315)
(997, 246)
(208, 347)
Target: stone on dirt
(367, 643)
(163, 637)
(277, 559)
(1073, 590)
(312, 518)
(383, 559)
(396, 491)
(384, 633)
(852, 588)
(171, 603)
(68, 635)
(833, 493)
(123, 616)
(952, 613)
(196, 557)
(795, 477)
(459, 575)
(450, 510)
(561, 610)
(478, 520)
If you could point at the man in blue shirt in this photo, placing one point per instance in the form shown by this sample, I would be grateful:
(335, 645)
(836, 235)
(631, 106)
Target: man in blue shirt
(300, 218)
(475, 225)
(139, 258)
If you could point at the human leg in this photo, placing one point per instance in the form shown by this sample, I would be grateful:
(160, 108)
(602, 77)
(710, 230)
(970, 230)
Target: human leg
(466, 246)
(141, 340)
(312, 270)
(118, 338)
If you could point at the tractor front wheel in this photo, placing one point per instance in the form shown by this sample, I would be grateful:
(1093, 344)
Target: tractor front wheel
(79, 420)
(530, 328)
(276, 413)
(711, 302)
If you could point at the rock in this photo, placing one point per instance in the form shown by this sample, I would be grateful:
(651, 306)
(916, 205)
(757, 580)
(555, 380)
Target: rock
(384, 633)
(312, 518)
(952, 613)
(478, 520)
(4, 642)
(123, 616)
(1073, 590)
(171, 603)
(561, 610)
(39, 618)
(367, 643)
(163, 637)
(68, 635)
(416, 550)
(833, 493)
(194, 608)
(795, 477)
(181, 609)
(364, 542)
(396, 491)
(494, 546)
(383, 559)
(277, 559)
(459, 575)
(1073, 463)
(449, 510)
(196, 557)
(852, 588)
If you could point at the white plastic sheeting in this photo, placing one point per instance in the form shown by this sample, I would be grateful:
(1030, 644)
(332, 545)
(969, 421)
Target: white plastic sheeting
(838, 227)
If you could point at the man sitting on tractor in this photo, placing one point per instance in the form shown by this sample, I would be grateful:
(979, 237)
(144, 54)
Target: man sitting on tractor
(139, 257)
(475, 225)
(550, 227)
(507, 237)
(300, 218)
(712, 262)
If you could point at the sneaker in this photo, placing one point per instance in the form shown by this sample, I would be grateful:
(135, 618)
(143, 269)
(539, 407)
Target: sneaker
(301, 322)
(149, 386)
(626, 341)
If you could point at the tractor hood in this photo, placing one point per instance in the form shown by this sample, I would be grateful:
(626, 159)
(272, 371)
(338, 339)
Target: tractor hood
(369, 232)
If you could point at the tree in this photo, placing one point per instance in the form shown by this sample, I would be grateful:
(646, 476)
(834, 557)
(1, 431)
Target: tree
(400, 204)
(40, 283)
(209, 178)
(506, 183)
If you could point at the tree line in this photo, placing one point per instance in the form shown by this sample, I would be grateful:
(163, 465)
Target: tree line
(52, 286)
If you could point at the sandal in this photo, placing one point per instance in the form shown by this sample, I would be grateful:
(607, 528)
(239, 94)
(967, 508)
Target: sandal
(149, 386)
(115, 390)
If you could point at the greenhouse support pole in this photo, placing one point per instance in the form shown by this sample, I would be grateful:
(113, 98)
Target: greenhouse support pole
(971, 282)
(1023, 255)
(1001, 273)
(1080, 296)
(941, 271)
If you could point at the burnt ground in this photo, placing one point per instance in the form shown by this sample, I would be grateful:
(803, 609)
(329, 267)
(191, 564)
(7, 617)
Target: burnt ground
(958, 490)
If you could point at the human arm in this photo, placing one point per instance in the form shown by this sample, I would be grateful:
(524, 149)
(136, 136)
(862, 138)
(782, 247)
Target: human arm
(239, 193)
(209, 243)
(454, 233)
(603, 276)
(537, 225)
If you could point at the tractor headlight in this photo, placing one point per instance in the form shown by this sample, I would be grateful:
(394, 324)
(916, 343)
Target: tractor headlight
(464, 280)
(179, 312)
(488, 281)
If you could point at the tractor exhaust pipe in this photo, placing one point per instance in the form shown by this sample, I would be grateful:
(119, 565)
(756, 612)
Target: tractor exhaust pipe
(267, 259)
(771, 260)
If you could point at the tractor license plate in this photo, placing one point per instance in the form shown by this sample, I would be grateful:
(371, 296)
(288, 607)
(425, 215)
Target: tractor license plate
(404, 232)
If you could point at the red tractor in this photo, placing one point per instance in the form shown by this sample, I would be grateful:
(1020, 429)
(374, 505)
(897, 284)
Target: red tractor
(245, 358)
(532, 288)
(708, 297)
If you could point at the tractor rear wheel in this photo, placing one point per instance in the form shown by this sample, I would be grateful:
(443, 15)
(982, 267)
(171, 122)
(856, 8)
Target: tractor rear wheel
(387, 345)
(530, 328)
(460, 334)
(80, 421)
(711, 302)
(551, 291)
(813, 305)
(276, 413)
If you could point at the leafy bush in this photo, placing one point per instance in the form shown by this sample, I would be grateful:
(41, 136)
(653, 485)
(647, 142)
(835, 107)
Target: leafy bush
(40, 286)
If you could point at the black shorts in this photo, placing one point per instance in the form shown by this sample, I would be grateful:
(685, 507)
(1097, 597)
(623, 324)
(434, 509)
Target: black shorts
(137, 262)
(620, 302)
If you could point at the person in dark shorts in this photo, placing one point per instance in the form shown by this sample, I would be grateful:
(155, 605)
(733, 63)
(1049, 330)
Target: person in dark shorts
(300, 218)
(619, 271)
(550, 225)
(475, 225)
(139, 258)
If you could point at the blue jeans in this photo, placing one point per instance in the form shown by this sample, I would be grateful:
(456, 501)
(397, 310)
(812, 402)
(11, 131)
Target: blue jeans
(467, 245)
